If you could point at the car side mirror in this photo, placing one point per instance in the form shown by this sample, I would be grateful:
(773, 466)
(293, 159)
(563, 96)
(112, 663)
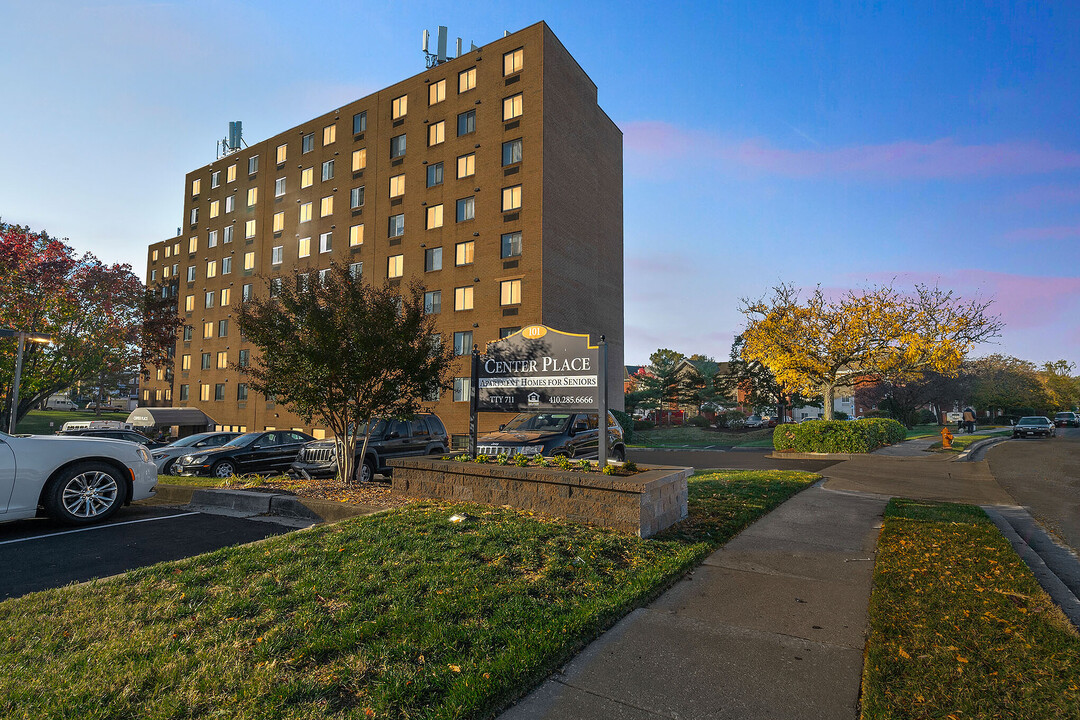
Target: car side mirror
(394, 435)
(580, 427)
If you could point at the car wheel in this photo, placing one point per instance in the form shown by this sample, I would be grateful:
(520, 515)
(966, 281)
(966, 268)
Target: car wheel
(366, 471)
(619, 455)
(223, 469)
(85, 493)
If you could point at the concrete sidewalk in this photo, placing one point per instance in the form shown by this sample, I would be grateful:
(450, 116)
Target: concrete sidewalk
(771, 625)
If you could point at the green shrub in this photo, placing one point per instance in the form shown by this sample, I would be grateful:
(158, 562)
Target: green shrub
(699, 421)
(644, 424)
(784, 436)
(926, 417)
(627, 424)
(839, 436)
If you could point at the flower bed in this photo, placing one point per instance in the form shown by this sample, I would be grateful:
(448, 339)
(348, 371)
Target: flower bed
(559, 461)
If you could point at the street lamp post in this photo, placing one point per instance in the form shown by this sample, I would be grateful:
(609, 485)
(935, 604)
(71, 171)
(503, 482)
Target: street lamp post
(23, 337)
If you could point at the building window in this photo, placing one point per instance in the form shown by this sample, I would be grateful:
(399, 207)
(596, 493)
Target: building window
(326, 242)
(359, 122)
(356, 235)
(511, 152)
(433, 259)
(196, 185)
(466, 209)
(241, 391)
(223, 360)
(356, 197)
(356, 270)
(243, 358)
(219, 391)
(434, 174)
(282, 153)
(168, 250)
(326, 207)
(359, 159)
(461, 389)
(191, 273)
(304, 245)
(215, 179)
(226, 265)
(507, 332)
(249, 229)
(215, 209)
(154, 256)
(511, 244)
(189, 331)
(466, 80)
(247, 292)
(394, 266)
(436, 133)
(253, 164)
(434, 217)
(279, 221)
(194, 215)
(208, 332)
(511, 198)
(226, 296)
(205, 361)
(307, 177)
(512, 107)
(307, 144)
(512, 61)
(211, 268)
(193, 244)
(223, 328)
(399, 107)
(249, 260)
(433, 302)
(153, 274)
(230, 203)
(397, 146)
(436, 94)
(463, 342)
(305, 212)
(279, 187)
(184, 389)
(396, 226)
(252, 196)
(277, 255)
(226, 234)
(329, 134)
(185, 362)
(211, 239)
(328, 170)
(397, 185)
(463, 253)
(230, 173)
(463, 298)
(466, 123)
(510, 292)
(466, 165)
(208, 298)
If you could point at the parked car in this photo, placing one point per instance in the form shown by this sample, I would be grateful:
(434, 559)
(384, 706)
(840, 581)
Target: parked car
(574, 435)
(77, 480)
(1033, 426)
(165, 457)
(257, 452)
(113, 434)
(105, 407)
(1067, 419)
(755, 422)
(425, 434)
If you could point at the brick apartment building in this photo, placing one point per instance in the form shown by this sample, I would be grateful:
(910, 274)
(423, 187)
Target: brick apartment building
(494, 177)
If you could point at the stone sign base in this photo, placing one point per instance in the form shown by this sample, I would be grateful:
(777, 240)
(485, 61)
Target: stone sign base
(642, 504)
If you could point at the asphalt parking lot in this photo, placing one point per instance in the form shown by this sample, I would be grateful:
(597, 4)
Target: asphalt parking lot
(40, 554)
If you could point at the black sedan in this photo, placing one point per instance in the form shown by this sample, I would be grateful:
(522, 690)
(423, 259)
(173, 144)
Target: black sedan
(258, 452)
(1067, 419)
(1033, 426)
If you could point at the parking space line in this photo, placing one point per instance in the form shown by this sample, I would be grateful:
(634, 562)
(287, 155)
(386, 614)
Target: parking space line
(96, 527)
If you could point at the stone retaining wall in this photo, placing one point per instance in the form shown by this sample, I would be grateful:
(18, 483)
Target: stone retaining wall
(642, 504)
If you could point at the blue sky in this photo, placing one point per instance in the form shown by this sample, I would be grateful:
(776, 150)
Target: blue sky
(833, 143)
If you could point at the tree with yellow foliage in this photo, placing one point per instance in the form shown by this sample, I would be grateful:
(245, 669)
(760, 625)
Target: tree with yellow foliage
(817, 346)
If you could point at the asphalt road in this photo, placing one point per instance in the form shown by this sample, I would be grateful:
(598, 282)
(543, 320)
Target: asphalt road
(40, 554)
(1044, 475)
(748, 459)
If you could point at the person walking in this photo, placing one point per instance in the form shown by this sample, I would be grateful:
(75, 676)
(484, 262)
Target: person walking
(969, 419)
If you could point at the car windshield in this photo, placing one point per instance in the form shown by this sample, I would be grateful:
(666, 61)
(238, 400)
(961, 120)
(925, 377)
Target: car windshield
(1033, 421)
(542, 422)
(189, 440)
(1064, 416)
(242, 441)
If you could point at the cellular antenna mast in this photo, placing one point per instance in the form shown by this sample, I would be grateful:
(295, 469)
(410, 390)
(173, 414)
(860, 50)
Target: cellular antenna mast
(231, 144)
(439, 56)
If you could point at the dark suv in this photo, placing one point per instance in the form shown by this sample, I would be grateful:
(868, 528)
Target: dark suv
(574, 435)
(1067, 419)
(423, 435)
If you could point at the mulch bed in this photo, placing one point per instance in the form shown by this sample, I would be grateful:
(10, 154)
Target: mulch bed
(374, 494)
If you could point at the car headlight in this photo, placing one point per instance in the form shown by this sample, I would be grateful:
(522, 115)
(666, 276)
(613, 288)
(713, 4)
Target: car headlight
(143, 453)
(157, 456)
(194, 459)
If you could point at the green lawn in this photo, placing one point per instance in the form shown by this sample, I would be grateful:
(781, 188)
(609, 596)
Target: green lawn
(690, 436)
(37, 422)
(959, 628)
(963, 442)
(401, 614)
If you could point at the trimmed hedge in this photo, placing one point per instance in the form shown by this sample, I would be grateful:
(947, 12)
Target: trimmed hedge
(838, 436)
(627, 423)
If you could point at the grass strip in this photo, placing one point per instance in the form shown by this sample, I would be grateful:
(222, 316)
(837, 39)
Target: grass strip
(959, 628)
(400, 615)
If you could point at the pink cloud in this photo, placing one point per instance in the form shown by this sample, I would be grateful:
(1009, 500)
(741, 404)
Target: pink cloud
(652, 144)
(1060, 232)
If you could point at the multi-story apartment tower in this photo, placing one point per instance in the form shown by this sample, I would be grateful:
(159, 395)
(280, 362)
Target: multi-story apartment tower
(495, 178)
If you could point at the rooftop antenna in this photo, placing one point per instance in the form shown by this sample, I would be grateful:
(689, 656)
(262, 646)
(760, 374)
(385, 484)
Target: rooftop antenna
(233, 142)
(439, 56)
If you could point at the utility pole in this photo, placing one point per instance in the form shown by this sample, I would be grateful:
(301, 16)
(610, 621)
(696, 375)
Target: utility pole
(23, 337)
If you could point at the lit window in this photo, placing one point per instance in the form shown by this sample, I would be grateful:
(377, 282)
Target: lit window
(185, 362)
(326, 242)
(189, 303)
(215, 179)
(466, 123)
(356, 235)
(511, 152)
(279, 187)
(249, 260)
(252, 196)
(249, 229)
(463, 298)
(466, 80)
(211, 268)
(359, 122)
(394, 265)
(196, 185)
(433, 259)
(215, 208)
(462, 389)
(282, 153)
(208, 300)
(226, 265)
(329, 134)
(230, 203)
(463, 253)
(305, 247)
(434, 217)
(208, 332)
(277, 254)
(436, 93)
(230, 173)
(436, 133)
(328, 170)
(512, 61)
(154, 256)
(512, 107)
(356, 269)
(466, 209)
(194, 215)
(511, 244)
(253, 164)
(191, 273)
(397, 146)
(223, 359)
(305, 212)
(307, 177)
(226, 296)
(433, 302)
(359, 159)
(307, 143)
(434, 174)
(466, 165)
(356, 197)
(511, 198)
(226, 234)
(510, 292)
(193, 244)
(396, 226)
(279, 221)
(326, 207)
(399, 107)
(204, 392)
(397, 185)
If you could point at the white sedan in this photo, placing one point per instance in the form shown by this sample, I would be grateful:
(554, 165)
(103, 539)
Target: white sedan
(77, 480)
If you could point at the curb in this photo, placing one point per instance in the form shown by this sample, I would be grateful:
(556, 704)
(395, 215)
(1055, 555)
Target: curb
(815, 456)
(262, 503)
(963, 457)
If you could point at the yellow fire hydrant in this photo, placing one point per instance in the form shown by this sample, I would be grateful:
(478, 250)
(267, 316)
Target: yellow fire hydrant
(946, 438)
